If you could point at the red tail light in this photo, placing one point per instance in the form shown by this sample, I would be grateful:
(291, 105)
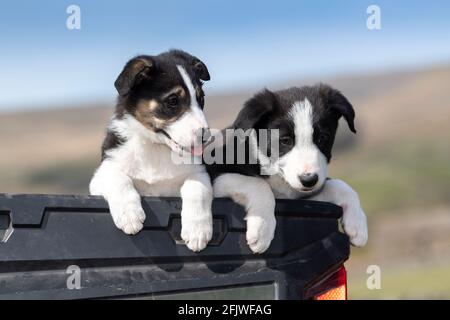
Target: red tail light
(332, 287)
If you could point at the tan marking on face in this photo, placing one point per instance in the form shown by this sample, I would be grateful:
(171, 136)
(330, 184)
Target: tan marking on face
(145, 114)
(146, 110)
(178, 90)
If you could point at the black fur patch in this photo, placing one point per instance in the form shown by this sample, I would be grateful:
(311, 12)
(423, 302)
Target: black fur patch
(111, 141)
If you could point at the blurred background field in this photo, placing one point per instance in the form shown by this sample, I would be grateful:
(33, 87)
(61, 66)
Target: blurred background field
(399, 161)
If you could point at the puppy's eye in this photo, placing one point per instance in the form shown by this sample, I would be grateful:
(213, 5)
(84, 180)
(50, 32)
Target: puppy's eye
(172, 101)
(287, 141)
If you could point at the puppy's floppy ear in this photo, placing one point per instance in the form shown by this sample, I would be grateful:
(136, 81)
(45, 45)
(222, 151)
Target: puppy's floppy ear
(338, 102)
(135, 71)
(200, 70)
(197, 65)
(254, 109)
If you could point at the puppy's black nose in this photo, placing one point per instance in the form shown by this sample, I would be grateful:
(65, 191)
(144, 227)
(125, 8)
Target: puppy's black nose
(309, 180)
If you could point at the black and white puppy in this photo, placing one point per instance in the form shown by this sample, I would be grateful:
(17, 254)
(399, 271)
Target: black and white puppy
(159, 112)
(306, 120)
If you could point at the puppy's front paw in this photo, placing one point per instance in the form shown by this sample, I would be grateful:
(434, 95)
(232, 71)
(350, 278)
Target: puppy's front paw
(128, 217)
(355, 225)
(196, 233)
(260, 232)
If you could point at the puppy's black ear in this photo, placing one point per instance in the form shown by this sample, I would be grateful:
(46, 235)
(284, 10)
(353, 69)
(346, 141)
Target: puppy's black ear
(254, 109)
(200, 70)
(338, 102)
(197, 65)
(135, 71)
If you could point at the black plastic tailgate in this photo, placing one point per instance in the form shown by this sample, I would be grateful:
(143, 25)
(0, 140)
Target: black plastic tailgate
(42, 236)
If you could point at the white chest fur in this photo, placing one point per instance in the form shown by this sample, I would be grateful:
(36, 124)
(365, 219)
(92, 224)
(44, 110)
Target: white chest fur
(149, 163)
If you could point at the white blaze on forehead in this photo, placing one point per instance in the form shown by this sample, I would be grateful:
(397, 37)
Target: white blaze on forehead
(187, 82)
(302, 116)
(192, 93)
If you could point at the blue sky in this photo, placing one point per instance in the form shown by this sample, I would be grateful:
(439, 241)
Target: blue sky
(246, 44)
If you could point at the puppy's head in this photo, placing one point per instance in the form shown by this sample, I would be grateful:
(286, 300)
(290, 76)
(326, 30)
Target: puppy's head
(164, 93)
(307, 120)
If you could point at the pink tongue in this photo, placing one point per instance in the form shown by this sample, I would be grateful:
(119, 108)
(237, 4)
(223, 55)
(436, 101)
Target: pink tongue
(197, 150)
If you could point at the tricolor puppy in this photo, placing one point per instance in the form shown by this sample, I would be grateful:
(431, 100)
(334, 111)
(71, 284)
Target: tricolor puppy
(159, 112)
(295, 164)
